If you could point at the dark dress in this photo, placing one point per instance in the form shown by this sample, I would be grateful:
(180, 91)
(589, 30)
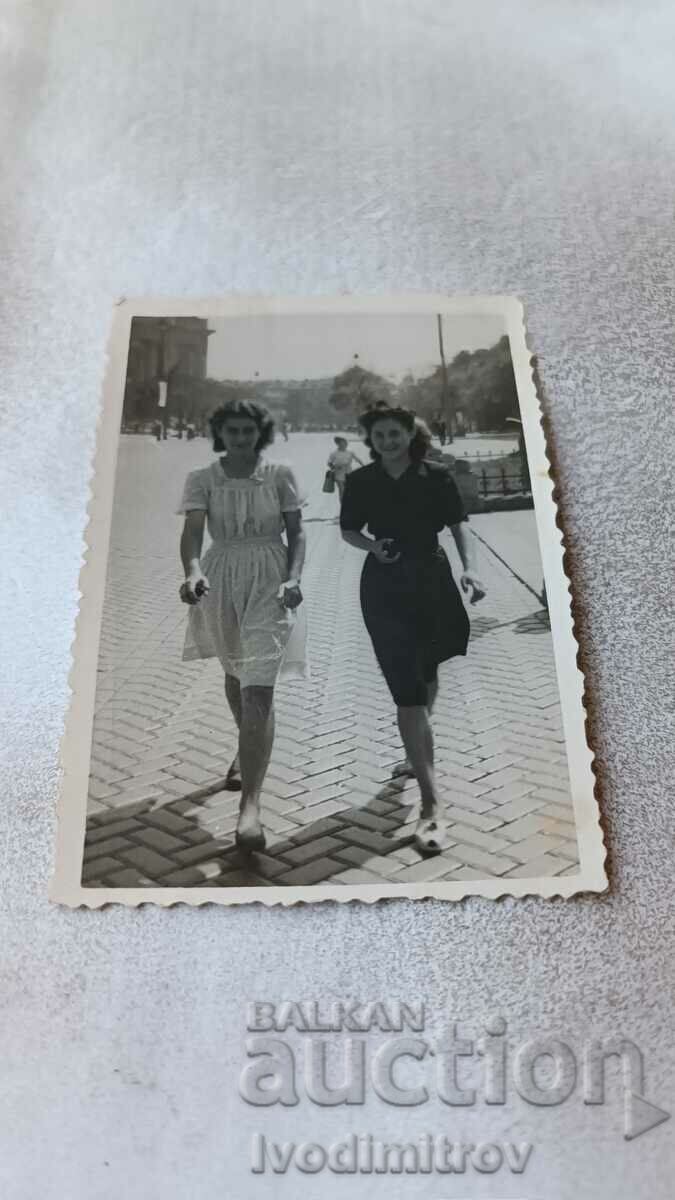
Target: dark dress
(412, 608)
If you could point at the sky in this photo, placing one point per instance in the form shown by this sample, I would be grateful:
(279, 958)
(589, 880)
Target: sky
(319, 346)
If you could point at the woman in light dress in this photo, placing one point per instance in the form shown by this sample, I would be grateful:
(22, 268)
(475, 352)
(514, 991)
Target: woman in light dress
(244, 592)
(341, 462)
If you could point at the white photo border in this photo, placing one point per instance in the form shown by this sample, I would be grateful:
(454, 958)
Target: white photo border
(66, 887)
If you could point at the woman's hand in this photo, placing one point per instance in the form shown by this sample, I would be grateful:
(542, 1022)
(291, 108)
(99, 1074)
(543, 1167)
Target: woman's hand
(196, 585)
(380, 550)
(470, 580)
(291, 596)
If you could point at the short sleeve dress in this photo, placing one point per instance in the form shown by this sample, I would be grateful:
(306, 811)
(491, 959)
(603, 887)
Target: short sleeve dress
(412, 607)
(241, 620)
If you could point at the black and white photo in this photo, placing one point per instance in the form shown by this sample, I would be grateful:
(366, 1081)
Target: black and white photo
(325, 646)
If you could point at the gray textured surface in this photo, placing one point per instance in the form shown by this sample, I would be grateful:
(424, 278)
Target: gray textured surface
(308, 147)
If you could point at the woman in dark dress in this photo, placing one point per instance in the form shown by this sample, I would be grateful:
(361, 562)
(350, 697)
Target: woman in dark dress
(411, 605)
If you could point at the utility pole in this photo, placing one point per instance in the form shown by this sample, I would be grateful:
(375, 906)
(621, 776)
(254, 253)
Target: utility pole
(448, 407)
(162, 379)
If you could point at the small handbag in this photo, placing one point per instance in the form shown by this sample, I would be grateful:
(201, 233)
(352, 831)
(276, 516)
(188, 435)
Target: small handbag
(329, 481)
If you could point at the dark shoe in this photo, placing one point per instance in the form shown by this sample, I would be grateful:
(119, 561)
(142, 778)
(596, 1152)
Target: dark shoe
(250, 843)
(233, 778)
(403, 770)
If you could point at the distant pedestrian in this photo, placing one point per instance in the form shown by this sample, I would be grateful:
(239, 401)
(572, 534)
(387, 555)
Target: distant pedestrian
(244, 592)
(341, 462)
(411, 605)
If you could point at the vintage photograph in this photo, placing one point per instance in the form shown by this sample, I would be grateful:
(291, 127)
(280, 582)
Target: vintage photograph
(325, 647)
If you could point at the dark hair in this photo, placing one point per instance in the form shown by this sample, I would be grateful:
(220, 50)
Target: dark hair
(421, 441)
(337, 440)
(242, 408)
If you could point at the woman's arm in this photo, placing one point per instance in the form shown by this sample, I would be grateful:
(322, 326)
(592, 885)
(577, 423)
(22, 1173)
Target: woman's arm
(378, 548)
(358, 540)
(196, 584)
(297, 542)
(466, 548)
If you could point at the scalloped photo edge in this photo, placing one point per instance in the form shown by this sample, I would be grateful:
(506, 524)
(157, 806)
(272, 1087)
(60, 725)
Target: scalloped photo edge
(67, 887)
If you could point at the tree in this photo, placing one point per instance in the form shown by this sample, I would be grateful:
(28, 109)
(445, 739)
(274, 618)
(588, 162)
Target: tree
(356, 390)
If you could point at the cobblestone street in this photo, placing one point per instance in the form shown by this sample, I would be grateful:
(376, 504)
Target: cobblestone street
(163, 737)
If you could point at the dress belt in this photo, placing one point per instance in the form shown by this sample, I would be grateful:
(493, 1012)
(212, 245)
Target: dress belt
(231, 543)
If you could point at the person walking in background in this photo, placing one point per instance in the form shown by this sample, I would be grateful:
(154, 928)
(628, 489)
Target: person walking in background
(411, 605)
(341, 462)
(244, 592)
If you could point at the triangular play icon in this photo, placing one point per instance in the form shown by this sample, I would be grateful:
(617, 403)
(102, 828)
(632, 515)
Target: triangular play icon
(640, 1115)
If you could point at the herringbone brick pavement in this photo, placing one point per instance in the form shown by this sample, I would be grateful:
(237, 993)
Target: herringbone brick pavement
(163, 738)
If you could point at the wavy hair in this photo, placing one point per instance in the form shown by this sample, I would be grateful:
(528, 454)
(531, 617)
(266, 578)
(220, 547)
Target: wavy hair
(242, 408)
(405, 417)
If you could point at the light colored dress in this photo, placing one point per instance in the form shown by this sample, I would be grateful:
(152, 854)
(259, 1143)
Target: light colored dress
(241, 620)
(340, 462)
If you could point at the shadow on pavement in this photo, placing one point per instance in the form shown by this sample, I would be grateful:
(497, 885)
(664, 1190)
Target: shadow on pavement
(148, 844)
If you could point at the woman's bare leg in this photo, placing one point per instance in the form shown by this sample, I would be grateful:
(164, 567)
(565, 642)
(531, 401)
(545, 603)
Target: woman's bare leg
(256, 735)
(233, 697)
(418, 740)
(406, 767)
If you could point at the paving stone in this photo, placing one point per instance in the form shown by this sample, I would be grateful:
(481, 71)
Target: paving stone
(100, 791)
(98, 868)
(564, 812)
(545, 865)
(148, 861)
(533, 847)
(313, 849)
(284, 825)
(356, 835)
(312, 872)
(568, 850)
(360, 816)
(457, 812)
(512, 810)
(463, 874)
(111, 845)
(170, 822)
(425, 869)
(358, 876)
(191, 774)
(524, 827)
(316, 830)
(460, 832)
(316, 812)
(99, 833)
(185, 877)
(158, 839)
(489, 864)
(241, 879)
(383, 866)
(129, 878)
(196, 854)
(280, 806)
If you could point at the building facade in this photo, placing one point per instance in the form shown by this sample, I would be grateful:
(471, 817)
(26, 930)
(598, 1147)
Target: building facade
(170, 351)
